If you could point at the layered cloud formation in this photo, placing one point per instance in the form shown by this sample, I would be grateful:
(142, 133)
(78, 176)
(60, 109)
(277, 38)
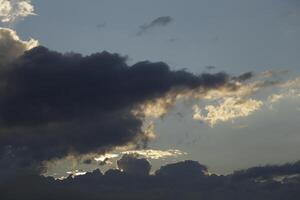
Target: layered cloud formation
(183, 180)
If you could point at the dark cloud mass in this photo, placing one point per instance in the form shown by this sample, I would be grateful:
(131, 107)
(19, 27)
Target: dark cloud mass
(186, 168)
(267, 172)
(54, 104)
(183, 180)
(158, 22)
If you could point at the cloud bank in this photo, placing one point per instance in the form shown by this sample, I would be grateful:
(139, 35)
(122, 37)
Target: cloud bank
(183, 180)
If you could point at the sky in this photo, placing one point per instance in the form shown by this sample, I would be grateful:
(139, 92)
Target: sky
(215, 81)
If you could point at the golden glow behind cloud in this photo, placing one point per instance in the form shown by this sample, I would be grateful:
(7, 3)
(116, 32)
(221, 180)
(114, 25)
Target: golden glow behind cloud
(156, 154)
(153, 154)
(104, 157)
(234, 101)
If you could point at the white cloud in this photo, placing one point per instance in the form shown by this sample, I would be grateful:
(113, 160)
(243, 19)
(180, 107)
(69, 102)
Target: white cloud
(11, 46)
(12, 10)
(228, 109)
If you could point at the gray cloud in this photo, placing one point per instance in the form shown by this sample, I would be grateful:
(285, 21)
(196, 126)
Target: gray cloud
(268, 172)
(101, 26)
(158, 22)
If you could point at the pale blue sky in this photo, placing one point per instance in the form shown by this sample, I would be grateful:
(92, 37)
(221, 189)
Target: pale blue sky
(233, 35)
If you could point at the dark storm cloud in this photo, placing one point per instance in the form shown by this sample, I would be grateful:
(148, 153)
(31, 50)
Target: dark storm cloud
(183, 180)
(158, 22)
(53, 104)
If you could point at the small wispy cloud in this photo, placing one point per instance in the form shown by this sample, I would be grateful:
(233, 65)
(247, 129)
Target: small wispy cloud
(101, 25)
(156, 154)
(158, 22)
(13, 10)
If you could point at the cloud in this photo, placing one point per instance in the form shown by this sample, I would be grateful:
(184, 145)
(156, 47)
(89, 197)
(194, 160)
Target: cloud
(220, 105)
(158, 22)
(210, 67)
(275, 98)
(101, 25)
(268, 172)
(183, 180)
(55, 104)
(131, 164)
(13, 10)
(245, 76)
(11, 46)
(106, 156)
(229, 109)
(184, 169)
(156, 154)
(151, 154)
(287, 89)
